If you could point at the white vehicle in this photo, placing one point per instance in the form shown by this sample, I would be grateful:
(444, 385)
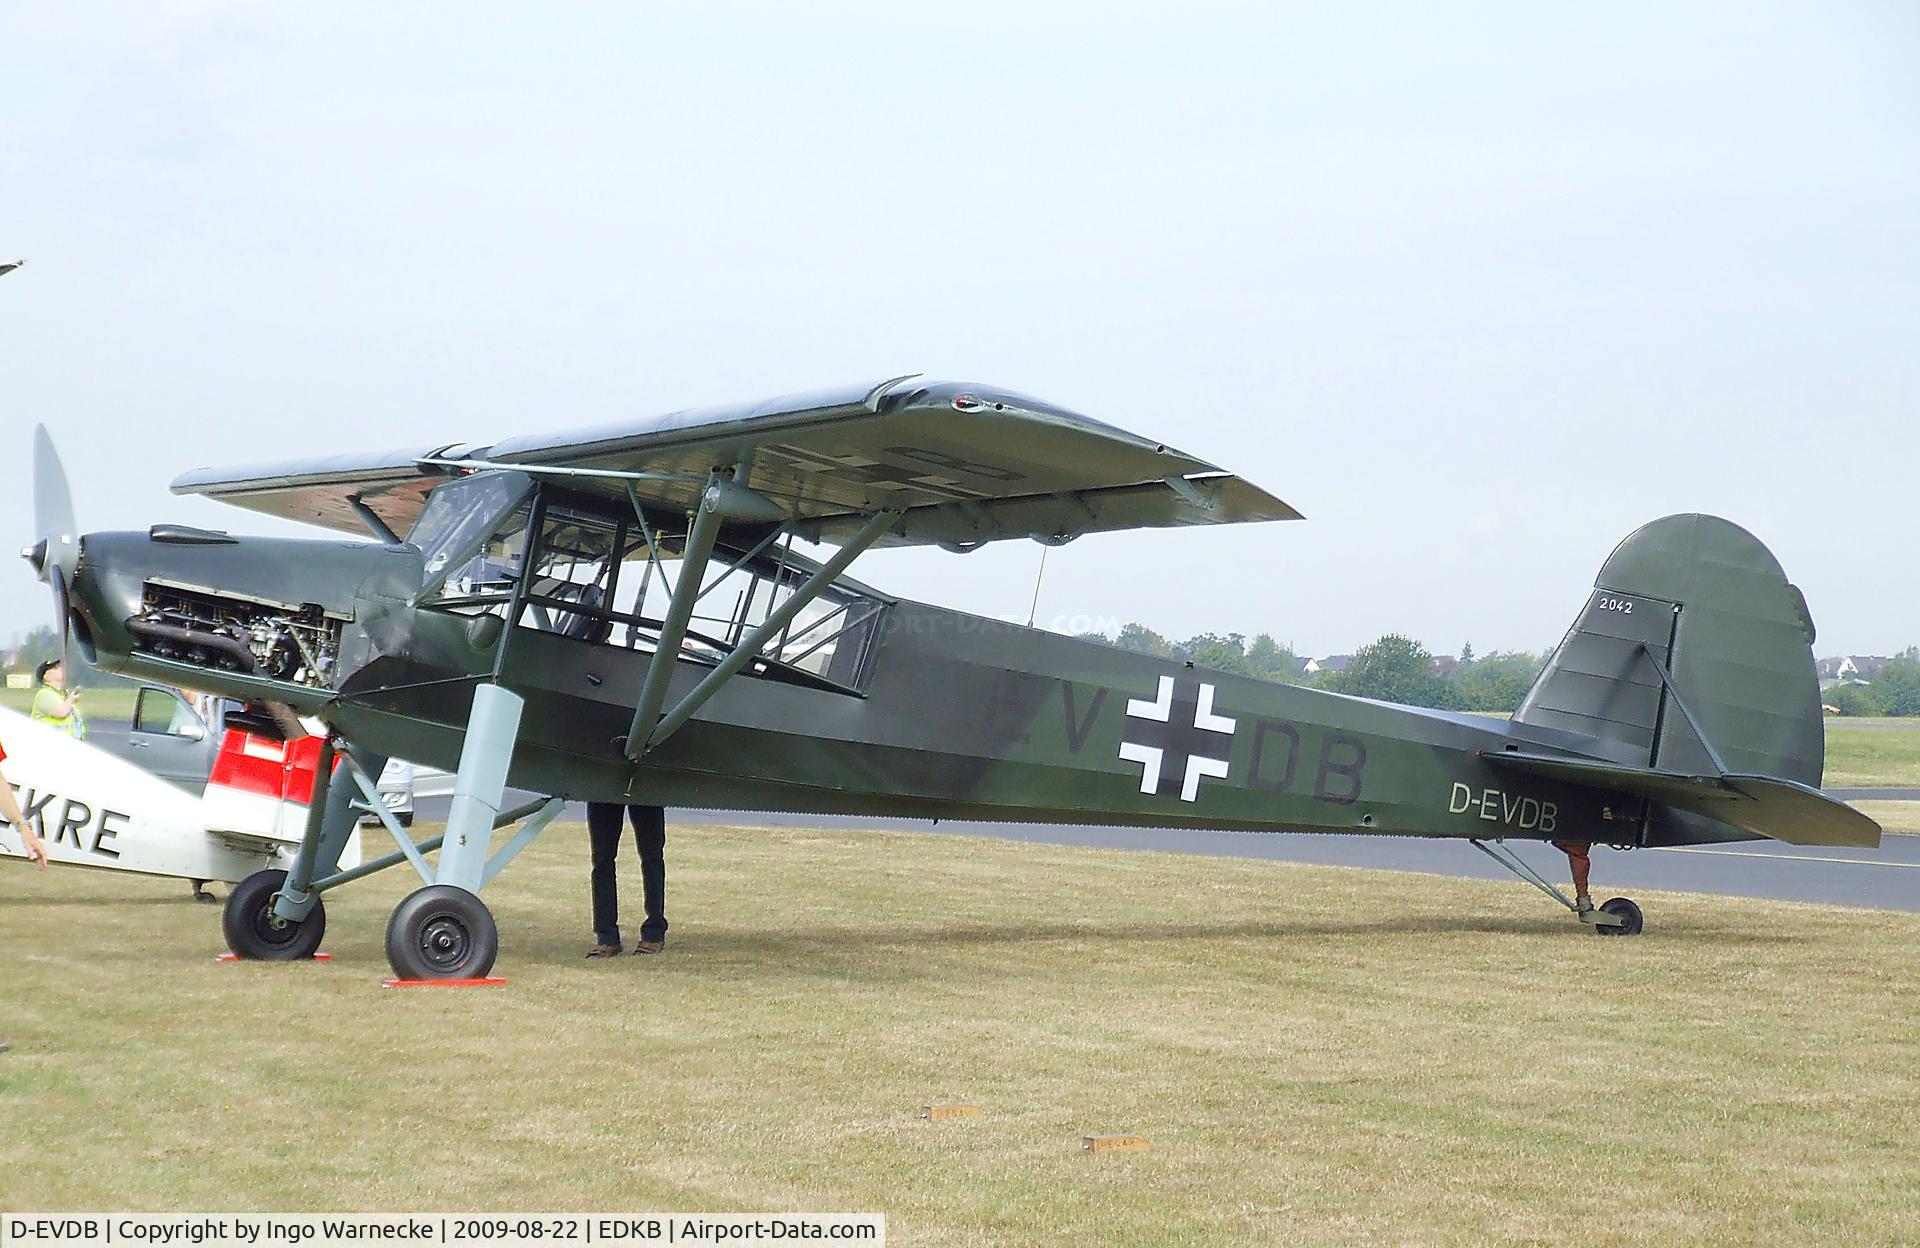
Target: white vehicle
(91, 807)
(401, 782)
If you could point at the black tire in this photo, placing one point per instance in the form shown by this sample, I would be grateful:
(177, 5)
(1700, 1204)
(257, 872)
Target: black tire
(254, 933)
(442, 932)
(1621, 908)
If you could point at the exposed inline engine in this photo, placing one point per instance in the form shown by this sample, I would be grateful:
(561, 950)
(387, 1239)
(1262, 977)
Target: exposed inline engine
(297, 644)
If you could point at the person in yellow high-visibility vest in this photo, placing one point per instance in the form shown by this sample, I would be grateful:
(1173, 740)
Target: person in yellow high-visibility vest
(56, 706)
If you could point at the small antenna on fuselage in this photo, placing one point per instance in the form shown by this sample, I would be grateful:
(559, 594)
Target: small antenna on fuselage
(1033, 608)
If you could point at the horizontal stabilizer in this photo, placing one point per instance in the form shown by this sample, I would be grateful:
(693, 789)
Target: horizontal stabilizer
(1781, 809)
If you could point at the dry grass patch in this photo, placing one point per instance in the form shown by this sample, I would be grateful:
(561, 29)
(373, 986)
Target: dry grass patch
(1901, 817)
(1318, 1055)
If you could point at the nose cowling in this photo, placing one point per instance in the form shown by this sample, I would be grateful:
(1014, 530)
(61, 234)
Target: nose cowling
(252, 617)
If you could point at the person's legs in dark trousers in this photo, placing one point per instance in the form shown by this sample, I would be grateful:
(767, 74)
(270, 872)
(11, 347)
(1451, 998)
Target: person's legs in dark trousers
(650, 830)
(603, 829)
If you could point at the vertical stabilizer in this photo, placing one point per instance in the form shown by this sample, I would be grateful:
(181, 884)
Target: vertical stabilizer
(1707, 600)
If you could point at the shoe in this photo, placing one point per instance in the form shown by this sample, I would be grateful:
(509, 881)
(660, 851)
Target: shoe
(1583, 905)
(604, 951)
(650, 946)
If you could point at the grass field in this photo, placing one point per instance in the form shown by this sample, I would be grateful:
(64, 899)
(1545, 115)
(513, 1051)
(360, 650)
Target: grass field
(1319, 1056)
(1873, 753)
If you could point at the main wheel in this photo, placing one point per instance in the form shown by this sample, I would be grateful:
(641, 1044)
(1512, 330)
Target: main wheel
(1624, 910)
(442, 932)
(253, 930)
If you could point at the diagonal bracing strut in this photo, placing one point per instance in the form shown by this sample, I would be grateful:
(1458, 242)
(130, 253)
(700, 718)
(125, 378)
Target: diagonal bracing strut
(650, 727)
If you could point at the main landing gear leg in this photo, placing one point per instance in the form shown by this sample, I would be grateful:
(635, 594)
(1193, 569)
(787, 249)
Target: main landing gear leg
(276, 915)
(1617, 917)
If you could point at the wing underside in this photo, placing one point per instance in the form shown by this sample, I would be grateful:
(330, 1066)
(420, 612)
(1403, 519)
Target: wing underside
(393, 484)
(962, 464)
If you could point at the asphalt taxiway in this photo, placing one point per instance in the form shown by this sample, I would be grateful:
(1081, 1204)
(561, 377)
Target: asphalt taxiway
(1887, 878)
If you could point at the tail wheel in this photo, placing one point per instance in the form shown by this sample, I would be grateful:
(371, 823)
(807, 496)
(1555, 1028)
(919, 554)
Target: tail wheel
(442, 932)
(1628, 914)
(254, 931)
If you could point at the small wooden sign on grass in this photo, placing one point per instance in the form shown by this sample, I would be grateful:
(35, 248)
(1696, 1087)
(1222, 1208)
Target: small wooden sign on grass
(938, 1113)
(1114, 1143)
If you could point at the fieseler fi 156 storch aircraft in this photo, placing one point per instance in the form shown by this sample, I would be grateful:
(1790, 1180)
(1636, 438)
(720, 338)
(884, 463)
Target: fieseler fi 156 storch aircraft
(620, 614)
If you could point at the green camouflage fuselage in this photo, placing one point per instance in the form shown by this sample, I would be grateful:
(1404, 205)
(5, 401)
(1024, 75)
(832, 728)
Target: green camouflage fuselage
(964, 717)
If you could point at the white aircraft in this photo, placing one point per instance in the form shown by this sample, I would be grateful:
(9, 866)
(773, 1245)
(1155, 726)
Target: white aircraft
(91, 808)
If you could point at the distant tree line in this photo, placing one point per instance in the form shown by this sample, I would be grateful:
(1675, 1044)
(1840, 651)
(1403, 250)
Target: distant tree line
(1393, 669)
(1894, 689)
(1397, 668)
(42, 643)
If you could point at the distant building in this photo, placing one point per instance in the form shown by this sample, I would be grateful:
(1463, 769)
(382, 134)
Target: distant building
(1332, 663)
(1849, 669)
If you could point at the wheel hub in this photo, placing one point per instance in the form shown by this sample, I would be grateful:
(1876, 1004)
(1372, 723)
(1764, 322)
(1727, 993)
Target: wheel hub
(441, 932)
(273, 929)
(444, 940)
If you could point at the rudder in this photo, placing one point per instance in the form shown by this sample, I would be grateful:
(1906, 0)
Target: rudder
(1711, 603)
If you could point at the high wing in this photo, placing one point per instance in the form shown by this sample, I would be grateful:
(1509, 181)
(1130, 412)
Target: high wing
(964, 464)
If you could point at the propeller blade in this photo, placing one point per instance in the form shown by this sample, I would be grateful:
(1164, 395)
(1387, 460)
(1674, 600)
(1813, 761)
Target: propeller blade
(63, 610)
(53, 520)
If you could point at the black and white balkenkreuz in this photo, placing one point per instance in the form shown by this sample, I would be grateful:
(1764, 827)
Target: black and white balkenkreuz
(1176, 739)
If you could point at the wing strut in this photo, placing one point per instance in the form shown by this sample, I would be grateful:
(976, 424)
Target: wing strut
(749, 646)
(673, 629)
(371, 518)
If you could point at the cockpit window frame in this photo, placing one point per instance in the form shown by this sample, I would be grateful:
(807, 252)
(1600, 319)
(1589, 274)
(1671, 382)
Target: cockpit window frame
(451, 558)
(772, 565)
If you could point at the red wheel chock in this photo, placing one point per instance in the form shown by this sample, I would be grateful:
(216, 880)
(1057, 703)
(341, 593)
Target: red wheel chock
(230, 956)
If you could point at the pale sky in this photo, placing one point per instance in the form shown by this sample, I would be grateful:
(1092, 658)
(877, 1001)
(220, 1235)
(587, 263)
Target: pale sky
(1478, 288)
